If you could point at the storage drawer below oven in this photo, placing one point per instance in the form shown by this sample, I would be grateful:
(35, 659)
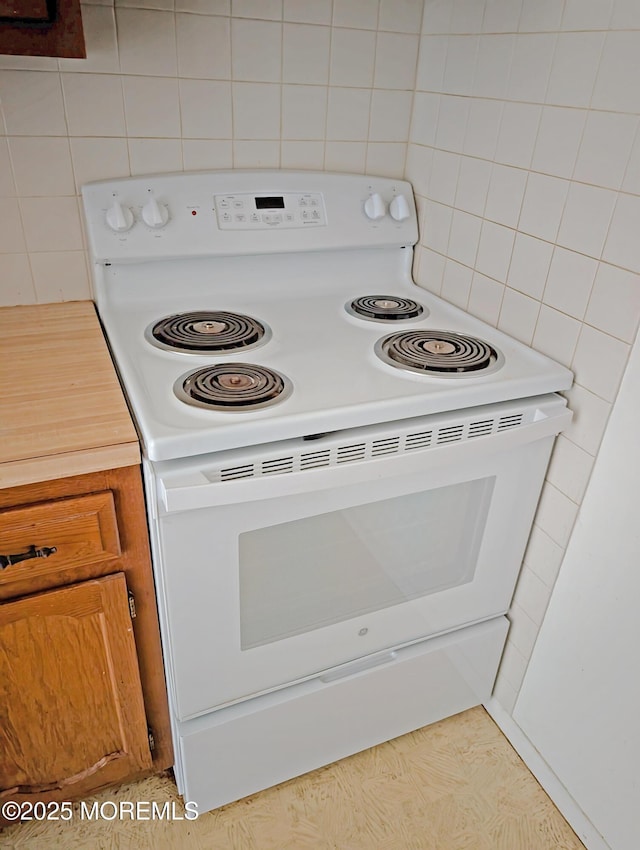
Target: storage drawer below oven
(236, 751)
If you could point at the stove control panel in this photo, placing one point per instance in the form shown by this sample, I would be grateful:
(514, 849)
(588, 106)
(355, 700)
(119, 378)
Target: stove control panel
(254, 212)
(235, 212)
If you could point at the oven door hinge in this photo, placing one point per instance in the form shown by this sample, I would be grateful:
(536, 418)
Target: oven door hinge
(132, 605)
(152, 740)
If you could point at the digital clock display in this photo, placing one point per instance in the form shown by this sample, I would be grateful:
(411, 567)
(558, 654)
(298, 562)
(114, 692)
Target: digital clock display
(270, 203)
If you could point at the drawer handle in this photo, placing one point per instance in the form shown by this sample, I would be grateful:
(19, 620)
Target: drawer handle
(32, 552)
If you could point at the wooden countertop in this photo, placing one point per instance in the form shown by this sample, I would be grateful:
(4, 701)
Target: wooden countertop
(62, 411)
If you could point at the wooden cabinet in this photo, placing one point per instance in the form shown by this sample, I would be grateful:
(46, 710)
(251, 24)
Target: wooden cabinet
(82, 695)
(69, 674)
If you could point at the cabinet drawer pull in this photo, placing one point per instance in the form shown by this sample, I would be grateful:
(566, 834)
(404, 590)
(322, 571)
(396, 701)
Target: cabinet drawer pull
(32, 552)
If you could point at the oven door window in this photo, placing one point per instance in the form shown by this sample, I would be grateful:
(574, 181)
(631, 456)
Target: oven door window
(299, 576)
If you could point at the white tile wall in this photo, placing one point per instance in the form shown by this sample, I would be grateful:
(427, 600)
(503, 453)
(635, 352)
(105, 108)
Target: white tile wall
(543, 205)
(556, 334)
(11, 233)
(204, 47)
(491, 74)
(558, 139)
(485, 120)
(518, 315)
(614, 305)
(41, 165)
(530, 262)
(501, 15)
(586, 217)
(305, 57)
(453, 114)
(32, 103)
(549, 175)
(494, 251)
(460, 64)
(474, 176)
(570, 468)
(196, 84)
(309, 11)
(605, 149)
(456, 283)
(543, 556)
(587, 14)
(431, 63)
(575, 65)
(51, 224)
(464, 237)
(7, 182)
(147, 41)
(569, 282)
(517, 133)
(505, 195)
(485, 298)
(17, 279)
(94, 104)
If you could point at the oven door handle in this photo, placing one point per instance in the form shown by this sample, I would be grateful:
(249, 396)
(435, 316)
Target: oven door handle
(195, 489)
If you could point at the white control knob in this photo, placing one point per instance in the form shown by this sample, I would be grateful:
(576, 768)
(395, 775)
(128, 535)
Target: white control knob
(374, 207)
(154, 214)
(399, 208)
(119, 218)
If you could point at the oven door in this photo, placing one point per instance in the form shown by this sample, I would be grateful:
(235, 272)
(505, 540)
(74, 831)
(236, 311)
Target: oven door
(274, 579)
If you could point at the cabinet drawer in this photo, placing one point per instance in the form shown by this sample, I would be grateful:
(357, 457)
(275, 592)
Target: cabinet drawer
(82, 530)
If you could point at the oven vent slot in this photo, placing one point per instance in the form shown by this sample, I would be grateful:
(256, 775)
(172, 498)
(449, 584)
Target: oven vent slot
(277, 465)
(235, 472)
(346, 454)
(417, 441)
(509, 421)
(390, 446)
(481, 428)
(314, 460)
(451, 434)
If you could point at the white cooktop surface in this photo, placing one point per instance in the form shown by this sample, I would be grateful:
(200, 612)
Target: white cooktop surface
(289, 249)
(328, 355)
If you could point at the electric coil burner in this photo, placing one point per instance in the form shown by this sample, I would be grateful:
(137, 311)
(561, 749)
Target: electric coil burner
(435, 352)
(207, 332)
(385, 308)
(235, 386)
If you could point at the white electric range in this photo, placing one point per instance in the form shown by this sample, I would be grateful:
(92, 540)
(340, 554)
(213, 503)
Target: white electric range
(341, 468)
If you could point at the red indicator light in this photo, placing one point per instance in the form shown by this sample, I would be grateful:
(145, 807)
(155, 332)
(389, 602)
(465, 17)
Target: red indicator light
(193, 212)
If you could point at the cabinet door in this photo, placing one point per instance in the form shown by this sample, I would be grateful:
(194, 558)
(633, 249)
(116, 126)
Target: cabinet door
(71, 711)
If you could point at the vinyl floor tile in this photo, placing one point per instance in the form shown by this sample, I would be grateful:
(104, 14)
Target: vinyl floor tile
(454, 785)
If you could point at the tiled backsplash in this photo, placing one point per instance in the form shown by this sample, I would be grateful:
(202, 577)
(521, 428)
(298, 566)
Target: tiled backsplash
(525, 154)
(516, 120)
(194, 84)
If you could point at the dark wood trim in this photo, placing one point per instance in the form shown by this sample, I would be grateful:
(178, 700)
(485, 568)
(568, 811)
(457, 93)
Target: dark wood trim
(32, 11)
(62, 37)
